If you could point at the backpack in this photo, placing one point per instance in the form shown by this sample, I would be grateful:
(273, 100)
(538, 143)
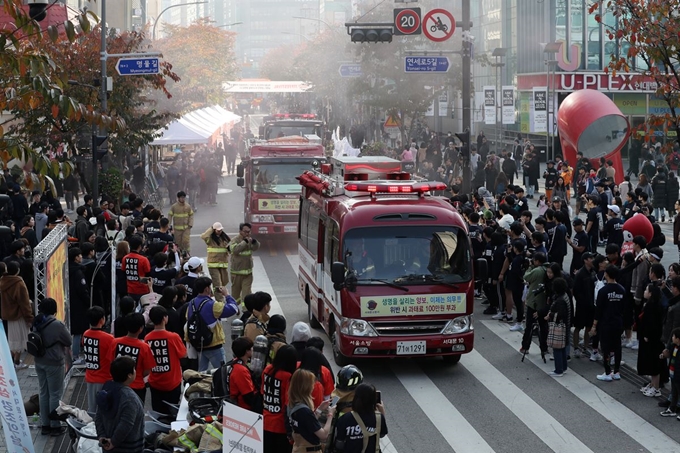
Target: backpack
(270, 352)
(220, 382)
(35, 344)
(330, 440)
(198, 332)
(599, 284)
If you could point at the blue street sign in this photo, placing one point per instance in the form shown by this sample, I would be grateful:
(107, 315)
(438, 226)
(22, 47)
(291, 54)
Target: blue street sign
(138, 66)
(426, 64)
(350, 70)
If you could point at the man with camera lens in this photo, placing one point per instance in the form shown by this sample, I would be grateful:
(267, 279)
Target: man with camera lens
(536, 303)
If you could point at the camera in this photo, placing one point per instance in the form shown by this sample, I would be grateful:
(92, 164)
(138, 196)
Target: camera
(539, 290)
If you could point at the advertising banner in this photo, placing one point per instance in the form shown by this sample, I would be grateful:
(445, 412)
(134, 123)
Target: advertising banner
(57, 282)
(540, 98)
(508, 107)
(413, 305)
(278, 204)
(15, 425)
(489, 105)
(242, 430)
(444, 104)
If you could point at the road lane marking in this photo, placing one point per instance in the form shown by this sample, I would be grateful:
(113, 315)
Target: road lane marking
(639, 429)
(546, 428)
(440, 411)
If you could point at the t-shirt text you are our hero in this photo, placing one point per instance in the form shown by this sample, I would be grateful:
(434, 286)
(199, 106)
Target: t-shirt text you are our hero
(272, 394)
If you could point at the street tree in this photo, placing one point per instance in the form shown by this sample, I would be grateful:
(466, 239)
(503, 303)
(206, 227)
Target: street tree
(29, 81)
(203, 57)
(648, 36)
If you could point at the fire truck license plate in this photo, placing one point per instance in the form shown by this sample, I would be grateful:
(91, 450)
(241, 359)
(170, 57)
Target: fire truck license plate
(411, 347)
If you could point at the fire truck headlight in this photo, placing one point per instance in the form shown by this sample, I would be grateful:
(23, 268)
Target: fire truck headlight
(460, 324)
(262, 218)
(357, 328)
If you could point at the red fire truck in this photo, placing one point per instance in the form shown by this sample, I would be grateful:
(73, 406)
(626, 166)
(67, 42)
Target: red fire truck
(385, 266)
(289, 124)
(268, 172)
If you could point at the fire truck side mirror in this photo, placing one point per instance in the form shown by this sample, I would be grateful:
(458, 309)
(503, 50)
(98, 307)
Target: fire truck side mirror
(338, 275)
(239, 171)
(481, 269)
(240, 182)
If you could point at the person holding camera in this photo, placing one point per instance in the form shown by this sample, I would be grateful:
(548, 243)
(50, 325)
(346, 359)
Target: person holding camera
(242, 248)
(536, 303)
(360, 430)
(218, 256)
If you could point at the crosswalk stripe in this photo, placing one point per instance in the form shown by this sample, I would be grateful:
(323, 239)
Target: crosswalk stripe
(443, 415)
(619, 415)
(549, 430)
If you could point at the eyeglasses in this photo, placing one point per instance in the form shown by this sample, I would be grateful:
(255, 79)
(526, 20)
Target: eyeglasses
(246, 231)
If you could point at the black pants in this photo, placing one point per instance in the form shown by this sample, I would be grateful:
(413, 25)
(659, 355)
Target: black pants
(158, 396)
(519, 304)
(276, 443)
(491, 292)
(610, 341)
(141, 393)
(542, 330)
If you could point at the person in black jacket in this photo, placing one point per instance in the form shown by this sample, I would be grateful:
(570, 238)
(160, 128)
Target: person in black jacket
(79, 297)
(558, 245)
(608, 322)
(19, 203)
(584, 290)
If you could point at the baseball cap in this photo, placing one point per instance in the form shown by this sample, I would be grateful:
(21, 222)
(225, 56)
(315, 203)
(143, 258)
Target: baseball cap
(194, 263)
(588, 256)
(577, 222)
(614, 208)
(556, 199)
(601, 184)
(217, 226)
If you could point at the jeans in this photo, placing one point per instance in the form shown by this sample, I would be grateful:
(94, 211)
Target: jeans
(560, 360)
(51, 381)
(529, 186)
(659, 212)
(92, 390)
(214, 357)
(68, 195)
(75, 347)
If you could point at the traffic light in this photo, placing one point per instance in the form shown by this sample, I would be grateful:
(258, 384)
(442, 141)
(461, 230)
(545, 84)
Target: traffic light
(99, 148)
(464, 137)
(371, 33)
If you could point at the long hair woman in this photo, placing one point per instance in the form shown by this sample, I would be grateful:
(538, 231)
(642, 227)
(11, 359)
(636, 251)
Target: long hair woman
(308, 434)
(275, 383)
(368, 410)
(649, 330)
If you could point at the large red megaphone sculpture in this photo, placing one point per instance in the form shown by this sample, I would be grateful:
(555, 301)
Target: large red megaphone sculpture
(589, 122)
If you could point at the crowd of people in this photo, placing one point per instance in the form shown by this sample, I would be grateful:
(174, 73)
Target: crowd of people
(604, 299)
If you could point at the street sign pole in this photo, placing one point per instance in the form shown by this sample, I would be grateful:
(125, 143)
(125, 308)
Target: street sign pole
(467, 171)
(104, 105)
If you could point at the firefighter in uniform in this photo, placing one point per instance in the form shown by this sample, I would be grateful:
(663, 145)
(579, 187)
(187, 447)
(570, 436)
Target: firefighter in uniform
(241, 249)
(218, 256)
(182, 217)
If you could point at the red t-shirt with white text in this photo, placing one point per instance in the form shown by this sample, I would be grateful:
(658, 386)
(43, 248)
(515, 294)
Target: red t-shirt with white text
(97, 346)
(139, 351)
(135, 267)
(167, 348)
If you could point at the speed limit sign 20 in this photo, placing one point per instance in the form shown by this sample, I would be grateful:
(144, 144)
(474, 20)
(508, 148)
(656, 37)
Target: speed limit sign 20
(407, 21)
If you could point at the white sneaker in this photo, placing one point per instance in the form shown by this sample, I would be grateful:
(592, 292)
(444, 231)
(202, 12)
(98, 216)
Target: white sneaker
(20, 366)
(595, 356)
(644, 389)
(635, 346)
(616, 376)
(498, 315)
(517, 327)
(632, 344)
(652, 392)
(604, 377)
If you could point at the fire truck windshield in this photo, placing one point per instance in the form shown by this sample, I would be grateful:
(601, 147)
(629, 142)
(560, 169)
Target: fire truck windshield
(408, 254)
(278, 177)
(278, 131)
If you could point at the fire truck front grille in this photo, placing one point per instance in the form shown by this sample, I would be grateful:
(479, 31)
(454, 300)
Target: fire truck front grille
(409, 327)
(287, 218)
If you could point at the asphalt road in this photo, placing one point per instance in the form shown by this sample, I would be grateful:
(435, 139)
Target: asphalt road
(490, 401)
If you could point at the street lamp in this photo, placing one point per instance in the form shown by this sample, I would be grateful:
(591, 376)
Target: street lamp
(498, 52)
(155, 22)
(229, 25)
(550, 49)
(318, 20)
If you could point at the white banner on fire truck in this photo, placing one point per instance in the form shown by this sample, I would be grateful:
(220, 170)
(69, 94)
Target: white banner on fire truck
(489, 105)
(508, 106)
(266, 86)
(540, 98)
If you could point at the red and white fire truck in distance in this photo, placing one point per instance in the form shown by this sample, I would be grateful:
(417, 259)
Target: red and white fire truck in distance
(385, 266)
(268, 172)
(289, 124)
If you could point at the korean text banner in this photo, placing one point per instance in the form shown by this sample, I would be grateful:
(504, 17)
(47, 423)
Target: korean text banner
(508, 107)
(413, 305)
(540, 98)
(489, 105)
(242, 430)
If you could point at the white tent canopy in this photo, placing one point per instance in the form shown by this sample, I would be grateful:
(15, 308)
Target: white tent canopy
(195, 127)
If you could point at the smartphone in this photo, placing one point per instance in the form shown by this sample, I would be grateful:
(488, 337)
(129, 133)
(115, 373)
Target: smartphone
(334, 401)
(378, 397)
(144, 280)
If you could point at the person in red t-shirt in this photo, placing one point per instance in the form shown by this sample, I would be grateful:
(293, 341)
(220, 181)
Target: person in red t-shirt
(97, 346)
(131, 346)
(312, 360)
(136, 268)
(274, 390)
(165, 380)
(241, 387)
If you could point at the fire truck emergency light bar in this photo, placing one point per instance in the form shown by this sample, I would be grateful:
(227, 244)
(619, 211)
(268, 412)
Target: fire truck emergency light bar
(395, 188)
(303, 116)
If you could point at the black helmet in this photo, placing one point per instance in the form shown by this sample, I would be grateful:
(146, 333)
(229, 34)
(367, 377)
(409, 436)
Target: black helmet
(349, 377)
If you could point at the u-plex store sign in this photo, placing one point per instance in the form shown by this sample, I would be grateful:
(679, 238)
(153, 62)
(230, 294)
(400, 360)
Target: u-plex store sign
(573, 81)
